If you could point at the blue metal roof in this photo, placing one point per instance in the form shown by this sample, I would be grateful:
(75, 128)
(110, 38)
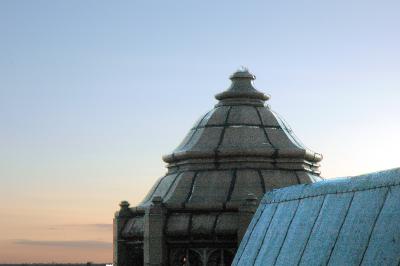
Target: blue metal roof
(351, 221)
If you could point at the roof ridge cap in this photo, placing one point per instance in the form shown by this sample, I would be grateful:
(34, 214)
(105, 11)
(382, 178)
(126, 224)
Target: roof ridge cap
(374, 180)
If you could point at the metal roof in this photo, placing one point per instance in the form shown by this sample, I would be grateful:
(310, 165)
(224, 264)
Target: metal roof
(351, 221)
(242, 132)
(240, 147)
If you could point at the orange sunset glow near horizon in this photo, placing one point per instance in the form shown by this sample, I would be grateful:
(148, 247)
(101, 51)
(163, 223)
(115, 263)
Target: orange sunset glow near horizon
(93, 93)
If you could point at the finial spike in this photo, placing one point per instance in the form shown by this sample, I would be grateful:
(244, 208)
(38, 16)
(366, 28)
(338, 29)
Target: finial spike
(243, 69)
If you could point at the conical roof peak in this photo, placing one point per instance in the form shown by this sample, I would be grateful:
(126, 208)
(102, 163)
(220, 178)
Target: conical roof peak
(242, 90)
(242, 132)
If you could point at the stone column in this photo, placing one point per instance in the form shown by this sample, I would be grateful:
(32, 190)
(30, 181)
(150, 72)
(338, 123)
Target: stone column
(154, 240)
(120, 256)
(246, 213)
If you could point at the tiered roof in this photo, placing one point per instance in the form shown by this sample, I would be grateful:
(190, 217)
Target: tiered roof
(241, 131)
(238, 148)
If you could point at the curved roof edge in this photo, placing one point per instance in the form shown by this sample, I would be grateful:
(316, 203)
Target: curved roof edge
(368, 181)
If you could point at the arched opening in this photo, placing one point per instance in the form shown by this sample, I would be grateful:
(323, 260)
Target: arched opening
(220, 257)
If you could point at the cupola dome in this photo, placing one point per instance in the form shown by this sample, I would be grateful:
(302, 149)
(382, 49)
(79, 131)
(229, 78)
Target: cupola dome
(230, 158)
(240, 132)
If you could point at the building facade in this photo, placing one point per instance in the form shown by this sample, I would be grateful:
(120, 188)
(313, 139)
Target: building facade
(198, 212)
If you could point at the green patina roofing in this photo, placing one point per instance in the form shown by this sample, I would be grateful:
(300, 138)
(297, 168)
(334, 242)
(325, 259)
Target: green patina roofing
(350, 221)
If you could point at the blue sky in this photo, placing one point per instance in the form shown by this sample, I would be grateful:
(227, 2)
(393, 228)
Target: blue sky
(94, 92)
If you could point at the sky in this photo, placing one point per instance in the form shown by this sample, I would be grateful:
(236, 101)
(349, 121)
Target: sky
(93, 93)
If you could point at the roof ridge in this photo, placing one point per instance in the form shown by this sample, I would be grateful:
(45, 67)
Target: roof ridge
(364, 182)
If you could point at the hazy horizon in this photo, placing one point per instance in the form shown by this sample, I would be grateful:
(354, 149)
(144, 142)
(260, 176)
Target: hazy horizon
(93, 94)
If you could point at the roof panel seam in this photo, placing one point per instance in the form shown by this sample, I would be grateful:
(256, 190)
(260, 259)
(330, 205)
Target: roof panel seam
(265, 234)
(172, 184)
(265, 132)
(312, 230)
(268, 182)
(214, 227)
(232, 185)
(195, 131)
(287, 231)
(262, 182)
(340, 228)
(190, 193)
(221, 138)
(251, 232)
(374, 224)
(155, 189)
